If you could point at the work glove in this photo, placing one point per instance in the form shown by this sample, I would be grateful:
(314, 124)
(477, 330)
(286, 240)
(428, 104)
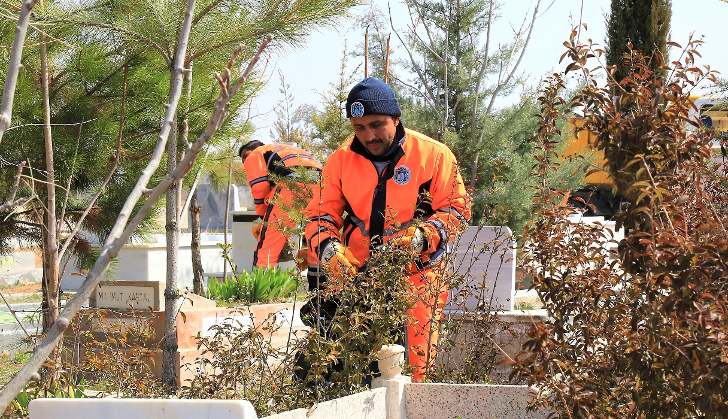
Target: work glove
(256, 229)
(339, 264)
(411, 239)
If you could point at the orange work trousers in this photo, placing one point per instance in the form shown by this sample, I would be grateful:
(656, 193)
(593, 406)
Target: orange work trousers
(423, 321)
(278, 226)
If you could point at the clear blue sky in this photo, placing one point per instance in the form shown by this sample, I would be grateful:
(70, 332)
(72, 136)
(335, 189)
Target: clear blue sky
(311, 67)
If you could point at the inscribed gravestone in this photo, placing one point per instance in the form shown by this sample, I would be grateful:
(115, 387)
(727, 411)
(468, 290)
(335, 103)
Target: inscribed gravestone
(125, 295)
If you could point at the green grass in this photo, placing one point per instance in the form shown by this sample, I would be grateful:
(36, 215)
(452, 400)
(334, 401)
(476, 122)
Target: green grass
(6, 318)
(10, 365)
(23, 298)
(525, 305)
(258, 286)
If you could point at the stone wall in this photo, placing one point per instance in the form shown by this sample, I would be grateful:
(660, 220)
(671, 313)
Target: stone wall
(451, 401)
(365, 405)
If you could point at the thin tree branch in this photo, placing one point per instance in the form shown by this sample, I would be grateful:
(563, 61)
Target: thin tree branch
(445, 63)
(16, 182)
(422, 42)
(16, 54)
(124, 66)
(53, 125)
(119, 234)
(500, 86)
(486, 53)
(194, 186)
(205, 11)
(45, 182)
(425, 26)
(14, 315)
(415, 66)
(185, 128)
(70, 178)
(50, 250)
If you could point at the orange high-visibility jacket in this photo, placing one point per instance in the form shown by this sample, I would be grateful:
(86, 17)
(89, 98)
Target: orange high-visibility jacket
(421, 182)
(277, 160)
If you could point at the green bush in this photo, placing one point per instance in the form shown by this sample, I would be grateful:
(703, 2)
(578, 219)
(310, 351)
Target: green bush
(258, 286)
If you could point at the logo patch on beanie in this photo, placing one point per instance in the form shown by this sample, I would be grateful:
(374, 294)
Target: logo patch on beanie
(402, 175)
(357, 110)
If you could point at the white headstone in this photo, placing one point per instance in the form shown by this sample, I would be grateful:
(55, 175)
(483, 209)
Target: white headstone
(485, 257)
(244, 243)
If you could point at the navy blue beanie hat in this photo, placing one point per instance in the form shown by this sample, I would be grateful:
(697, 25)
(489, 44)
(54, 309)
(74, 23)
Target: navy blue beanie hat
(371, 96)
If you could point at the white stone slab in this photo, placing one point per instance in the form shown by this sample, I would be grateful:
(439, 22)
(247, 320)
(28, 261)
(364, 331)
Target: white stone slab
(140, 409)
(244, 243)
(365, 405)
(486, 257)
(148, 261)
(465, 401)
(126, 296)
(395, 394)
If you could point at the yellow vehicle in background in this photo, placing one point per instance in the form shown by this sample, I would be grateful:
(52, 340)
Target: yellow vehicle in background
(596, 197)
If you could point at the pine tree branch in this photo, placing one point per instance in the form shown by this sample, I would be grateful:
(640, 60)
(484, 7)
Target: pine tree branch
(205, 11)
(135, 35)
(117, 156)
(16, 54)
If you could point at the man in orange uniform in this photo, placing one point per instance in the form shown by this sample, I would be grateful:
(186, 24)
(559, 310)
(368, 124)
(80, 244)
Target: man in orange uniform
(399, 189)
(277, 180)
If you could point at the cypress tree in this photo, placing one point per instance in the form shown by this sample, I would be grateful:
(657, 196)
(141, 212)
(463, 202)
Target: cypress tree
(644, 23)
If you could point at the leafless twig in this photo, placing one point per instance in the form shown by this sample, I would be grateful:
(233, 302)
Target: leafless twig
(15, 315)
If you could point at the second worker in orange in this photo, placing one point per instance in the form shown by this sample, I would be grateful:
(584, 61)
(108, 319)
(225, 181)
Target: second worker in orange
(280, 177)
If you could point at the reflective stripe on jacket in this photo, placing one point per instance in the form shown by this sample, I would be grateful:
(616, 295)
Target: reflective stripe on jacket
(269, 161)
(421, 182)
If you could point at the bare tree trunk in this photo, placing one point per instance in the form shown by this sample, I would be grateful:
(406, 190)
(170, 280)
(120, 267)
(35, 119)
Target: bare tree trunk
(172, 297)
(16, 54)
(445, 63)
(124, 227)
(227, 214)
(198, 284)
(50, 248)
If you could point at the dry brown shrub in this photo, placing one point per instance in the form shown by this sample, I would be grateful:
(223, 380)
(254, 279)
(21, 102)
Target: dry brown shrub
(641, 331)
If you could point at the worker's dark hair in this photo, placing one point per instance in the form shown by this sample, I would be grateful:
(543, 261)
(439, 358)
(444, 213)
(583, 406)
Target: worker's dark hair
(249, 147)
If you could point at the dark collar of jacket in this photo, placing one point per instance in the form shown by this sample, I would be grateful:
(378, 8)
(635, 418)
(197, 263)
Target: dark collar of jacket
(394, 149)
